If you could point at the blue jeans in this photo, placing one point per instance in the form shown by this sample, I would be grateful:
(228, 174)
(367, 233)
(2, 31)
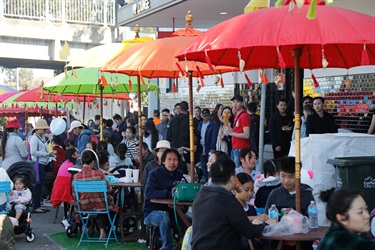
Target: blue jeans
(235, 156)
(37, 195)
(158, 218)
(204, 160)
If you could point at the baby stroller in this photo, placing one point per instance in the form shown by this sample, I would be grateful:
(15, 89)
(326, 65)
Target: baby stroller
(25, 169)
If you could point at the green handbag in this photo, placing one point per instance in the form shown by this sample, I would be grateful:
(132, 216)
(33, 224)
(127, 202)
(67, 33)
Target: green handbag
(186, 191)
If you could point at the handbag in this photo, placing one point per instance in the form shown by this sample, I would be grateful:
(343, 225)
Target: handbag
(49, 167)
(186, 191)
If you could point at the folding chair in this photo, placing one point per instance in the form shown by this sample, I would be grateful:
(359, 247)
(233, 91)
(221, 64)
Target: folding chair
(93, 187)
(4, 188)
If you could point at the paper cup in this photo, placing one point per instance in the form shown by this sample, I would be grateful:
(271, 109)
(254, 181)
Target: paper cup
(128, 173)
(128, 179)
(135, 175)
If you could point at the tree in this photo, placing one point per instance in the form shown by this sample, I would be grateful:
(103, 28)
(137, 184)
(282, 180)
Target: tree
(25, 78)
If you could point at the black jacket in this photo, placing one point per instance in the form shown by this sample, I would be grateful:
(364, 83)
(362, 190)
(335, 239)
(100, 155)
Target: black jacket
(220, 221)
(317, 125)
(277, 135)
(178, 131)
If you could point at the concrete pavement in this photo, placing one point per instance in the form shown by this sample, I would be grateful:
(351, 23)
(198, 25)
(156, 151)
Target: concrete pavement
(42, 224)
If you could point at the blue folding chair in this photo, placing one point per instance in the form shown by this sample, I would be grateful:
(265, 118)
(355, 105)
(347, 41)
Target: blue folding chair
(93, 187)
(4, 189)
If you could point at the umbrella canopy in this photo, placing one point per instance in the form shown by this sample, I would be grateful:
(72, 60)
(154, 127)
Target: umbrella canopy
(99, 55)
(88, 81)
(38, 95)
(10, 102)
(155, 59)
(337, 34)
(6, 89)
(5, 96)
(29, 111)
(276, 38)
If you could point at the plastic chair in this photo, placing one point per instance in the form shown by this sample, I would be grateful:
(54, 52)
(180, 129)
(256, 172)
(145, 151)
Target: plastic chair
(4, 188)
(93, 187)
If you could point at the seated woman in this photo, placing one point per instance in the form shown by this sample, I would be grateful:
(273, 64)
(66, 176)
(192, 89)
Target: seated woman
(61, 191)
(90, 201)
(347, 210)
(120, 158)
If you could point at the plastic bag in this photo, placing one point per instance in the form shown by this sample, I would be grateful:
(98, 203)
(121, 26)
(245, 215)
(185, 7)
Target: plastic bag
(292, 223)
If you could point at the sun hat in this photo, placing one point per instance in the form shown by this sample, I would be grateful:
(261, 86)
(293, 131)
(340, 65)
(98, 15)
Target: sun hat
(161, 144)
(41, 124)
(12, 123)
(75, 124)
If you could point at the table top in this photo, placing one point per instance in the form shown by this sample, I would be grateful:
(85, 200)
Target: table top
(313, 234)
(126, 184)
(170, 202)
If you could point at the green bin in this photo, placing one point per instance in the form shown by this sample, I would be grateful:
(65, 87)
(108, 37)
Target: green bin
(358, 173)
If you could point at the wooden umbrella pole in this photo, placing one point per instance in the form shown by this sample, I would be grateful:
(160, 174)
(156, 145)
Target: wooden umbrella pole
(101, 112)
(191, 127)
(56, 109)
(297, 105)
(84, 109)
(140, 132)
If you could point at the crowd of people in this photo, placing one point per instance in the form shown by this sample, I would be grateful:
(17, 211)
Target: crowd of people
(225, 149)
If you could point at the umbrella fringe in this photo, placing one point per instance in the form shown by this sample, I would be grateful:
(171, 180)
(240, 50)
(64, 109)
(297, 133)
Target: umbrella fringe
(180, 69)
(104, 81)
(316, 84)
(130, 84)
(221, 82)
(280, 58)
(201, 77)
(311, 13)
(248, 80)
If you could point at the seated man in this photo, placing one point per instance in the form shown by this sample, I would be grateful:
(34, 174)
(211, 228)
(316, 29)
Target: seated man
(285, 195)
(146, 155)
(219, 220)
(159, 186)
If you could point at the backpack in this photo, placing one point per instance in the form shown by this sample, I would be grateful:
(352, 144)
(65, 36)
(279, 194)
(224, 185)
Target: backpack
(93, 138)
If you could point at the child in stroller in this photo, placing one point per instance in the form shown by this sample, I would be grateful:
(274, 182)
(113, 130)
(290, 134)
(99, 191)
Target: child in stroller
(26, 170)
(20, 197)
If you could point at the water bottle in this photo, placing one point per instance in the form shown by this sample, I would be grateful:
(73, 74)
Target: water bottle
(313, 215)
(273, 213)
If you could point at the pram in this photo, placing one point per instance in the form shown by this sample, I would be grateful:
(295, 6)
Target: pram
(25, 169)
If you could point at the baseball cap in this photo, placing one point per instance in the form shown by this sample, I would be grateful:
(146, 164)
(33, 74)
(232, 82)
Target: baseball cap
(205, 112)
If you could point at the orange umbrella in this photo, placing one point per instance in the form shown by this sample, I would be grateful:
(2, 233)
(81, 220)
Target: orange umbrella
(156, 59)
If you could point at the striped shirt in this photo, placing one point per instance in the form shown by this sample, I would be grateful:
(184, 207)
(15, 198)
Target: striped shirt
(132, 147)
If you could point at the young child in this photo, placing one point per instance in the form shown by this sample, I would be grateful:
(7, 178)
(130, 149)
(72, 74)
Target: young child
(20, 197)
(270, 181)
(244, 197)
(285, 195)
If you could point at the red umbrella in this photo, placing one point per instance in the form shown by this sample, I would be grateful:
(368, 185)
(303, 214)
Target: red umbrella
(155, 59)
(30, 111)
(5, 96)
(276, 38)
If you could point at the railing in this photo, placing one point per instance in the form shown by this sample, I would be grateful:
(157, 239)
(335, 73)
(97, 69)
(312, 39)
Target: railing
(98, 12)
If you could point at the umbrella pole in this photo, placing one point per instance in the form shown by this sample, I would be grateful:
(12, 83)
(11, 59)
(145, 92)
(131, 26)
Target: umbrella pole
(191, 126)
(140, 132)
(84, 109)
(56, 109)
(297, 101)
(261, 126)
(101, 112)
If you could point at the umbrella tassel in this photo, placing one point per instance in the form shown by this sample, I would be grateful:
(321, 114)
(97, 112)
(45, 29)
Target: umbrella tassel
(208, 60)
(74, 74)
(130, 84)
(142, 80)
(316, 84)
(265, 78)
(66, 73)
(180, 69)
(221, 82)
(282, 77)
(248, 81)
(201, 77)
(365, 58)
(118, 103)
(174, 87)
(311, 13)
(280, 58)
(104, 81)
(260, 76)
(279, 3)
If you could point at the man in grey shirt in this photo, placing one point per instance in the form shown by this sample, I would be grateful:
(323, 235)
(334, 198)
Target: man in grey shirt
(162, 126)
